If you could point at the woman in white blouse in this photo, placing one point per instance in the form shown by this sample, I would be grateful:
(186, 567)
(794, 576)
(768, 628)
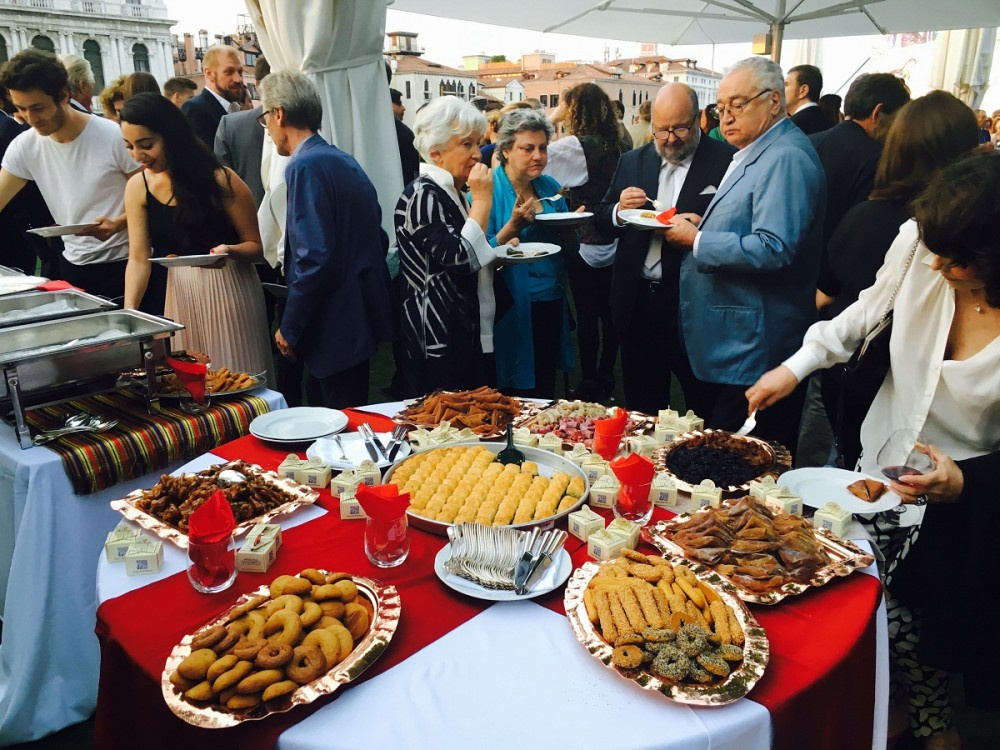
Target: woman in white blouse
(944, 381)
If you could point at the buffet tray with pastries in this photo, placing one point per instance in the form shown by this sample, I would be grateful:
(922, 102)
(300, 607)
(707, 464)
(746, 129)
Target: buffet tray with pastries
(59, 360)
(670, 626)
(573, 421)
(483, 410)
(766, 556)
(255, 495)
(284, 645)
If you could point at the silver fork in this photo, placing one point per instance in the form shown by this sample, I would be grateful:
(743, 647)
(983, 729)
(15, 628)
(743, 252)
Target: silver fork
(340, 447)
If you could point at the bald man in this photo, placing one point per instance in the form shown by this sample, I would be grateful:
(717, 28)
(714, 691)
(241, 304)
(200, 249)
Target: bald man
(681, 169)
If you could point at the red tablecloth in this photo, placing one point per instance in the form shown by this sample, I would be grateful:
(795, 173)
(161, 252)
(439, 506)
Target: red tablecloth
(818, 687)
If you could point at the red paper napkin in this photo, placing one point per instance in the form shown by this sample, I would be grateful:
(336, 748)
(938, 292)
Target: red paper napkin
(192, 376)
(383, 502)
(633, 469)
(56, 286)
(666, 216)
(213, 521)
(608, 434)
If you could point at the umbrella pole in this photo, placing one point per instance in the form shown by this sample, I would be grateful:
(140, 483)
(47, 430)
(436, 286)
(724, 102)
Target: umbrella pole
(777, 32)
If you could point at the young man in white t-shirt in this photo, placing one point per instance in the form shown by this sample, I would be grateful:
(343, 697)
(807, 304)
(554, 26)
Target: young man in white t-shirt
(80, 166)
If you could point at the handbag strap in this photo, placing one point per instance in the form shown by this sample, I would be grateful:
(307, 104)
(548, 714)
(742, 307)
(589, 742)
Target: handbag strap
(899, 283)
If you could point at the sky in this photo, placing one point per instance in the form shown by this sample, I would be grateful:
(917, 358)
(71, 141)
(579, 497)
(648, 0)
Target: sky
(445, 41)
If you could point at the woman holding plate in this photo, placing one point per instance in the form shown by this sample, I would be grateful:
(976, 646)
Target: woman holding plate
(184, 202)
(531, 335)
(944, 382)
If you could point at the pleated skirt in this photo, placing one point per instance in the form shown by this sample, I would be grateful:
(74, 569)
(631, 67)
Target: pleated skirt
(222, 311)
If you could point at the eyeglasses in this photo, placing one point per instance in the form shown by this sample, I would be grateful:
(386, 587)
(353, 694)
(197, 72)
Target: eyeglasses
(263, 118)
(734, 107)
(680, 133)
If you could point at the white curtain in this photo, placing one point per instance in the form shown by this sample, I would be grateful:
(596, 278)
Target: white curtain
(962, 63)
(338, 45)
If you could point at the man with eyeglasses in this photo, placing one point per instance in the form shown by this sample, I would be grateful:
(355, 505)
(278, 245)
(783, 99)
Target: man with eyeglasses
(750, 261)
(681, 169)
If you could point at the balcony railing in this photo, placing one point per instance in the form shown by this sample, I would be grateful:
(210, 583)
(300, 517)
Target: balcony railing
(92, 7)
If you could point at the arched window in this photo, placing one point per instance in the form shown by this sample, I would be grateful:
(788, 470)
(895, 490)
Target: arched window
(633, 97)
(140, 58)
(3, 49)
(92, 54)
(43, 43)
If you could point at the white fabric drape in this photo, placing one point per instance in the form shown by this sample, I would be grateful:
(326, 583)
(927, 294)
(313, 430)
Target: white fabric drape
(962, 62)
(338, 45)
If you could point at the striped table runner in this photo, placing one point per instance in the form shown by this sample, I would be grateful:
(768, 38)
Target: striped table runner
(141, 442)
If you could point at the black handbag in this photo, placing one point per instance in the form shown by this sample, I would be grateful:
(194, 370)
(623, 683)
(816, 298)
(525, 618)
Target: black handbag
(863, 375)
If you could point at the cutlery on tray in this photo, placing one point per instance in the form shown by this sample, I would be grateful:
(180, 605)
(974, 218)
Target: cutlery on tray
(502, 557)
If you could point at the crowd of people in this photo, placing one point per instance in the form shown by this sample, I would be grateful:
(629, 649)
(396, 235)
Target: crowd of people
(797, 225)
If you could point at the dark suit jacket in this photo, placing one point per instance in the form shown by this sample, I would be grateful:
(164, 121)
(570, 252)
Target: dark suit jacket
(811, 120)
(641, 168)
(849, 157)
(204, 113)
(340, 303)
(409, 159)
(239, 143)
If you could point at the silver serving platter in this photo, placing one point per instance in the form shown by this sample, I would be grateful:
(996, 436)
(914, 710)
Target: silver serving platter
(548, 464)
(37, 307)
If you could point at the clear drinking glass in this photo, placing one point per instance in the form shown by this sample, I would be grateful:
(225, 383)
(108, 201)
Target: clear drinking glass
(212, 565)
(387, 543)
(633, 503)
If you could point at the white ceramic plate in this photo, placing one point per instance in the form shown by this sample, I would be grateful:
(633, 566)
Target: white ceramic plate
(327, 451)
(533, 251)
(552, 579)
(635, 217)
(189, 260)
(298, 424)
(60, 231)
(819, 485)
(564, 218)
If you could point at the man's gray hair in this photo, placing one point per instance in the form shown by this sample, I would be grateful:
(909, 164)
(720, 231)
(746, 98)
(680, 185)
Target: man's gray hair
(296, 95)
(442, 118)
(78, 71)
(520, 121)
(767, 74)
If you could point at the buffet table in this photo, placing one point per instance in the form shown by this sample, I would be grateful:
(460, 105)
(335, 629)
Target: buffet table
(461, 671)
(49, 657)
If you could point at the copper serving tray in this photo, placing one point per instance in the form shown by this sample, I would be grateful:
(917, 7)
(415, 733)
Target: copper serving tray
(638, 422)
(741, 680)
(781, 462)
(497, 431)
(298, 496)
(845, 558)
(386, 601)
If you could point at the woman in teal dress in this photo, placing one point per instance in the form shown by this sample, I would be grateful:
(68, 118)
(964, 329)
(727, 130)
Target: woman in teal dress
(531, 336)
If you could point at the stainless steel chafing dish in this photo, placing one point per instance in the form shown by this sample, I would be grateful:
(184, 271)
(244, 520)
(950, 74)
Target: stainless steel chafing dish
(58, 360)
(35, 307)
(4, 271)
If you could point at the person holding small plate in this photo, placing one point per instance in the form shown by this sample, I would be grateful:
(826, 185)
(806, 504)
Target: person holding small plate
(184, 202)
(531, 335)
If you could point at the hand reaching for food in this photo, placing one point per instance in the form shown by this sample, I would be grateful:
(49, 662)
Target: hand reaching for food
(771, 388)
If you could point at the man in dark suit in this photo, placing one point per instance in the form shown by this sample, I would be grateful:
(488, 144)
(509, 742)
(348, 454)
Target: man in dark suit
(339, 304)
(803, 85)
(222, 93)
(679, 168)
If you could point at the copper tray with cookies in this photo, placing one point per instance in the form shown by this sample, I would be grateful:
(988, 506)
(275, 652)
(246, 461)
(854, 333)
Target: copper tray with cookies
(283, 645)
(731, 461)
(668, 625)
(255, 495)
(766, 556)
(484, 410)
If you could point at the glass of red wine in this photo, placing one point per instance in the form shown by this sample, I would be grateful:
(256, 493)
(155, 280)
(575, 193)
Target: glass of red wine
(902, 455)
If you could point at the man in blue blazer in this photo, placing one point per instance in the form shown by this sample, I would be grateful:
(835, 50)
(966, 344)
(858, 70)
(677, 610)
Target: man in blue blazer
(339, 304)
(748, 275)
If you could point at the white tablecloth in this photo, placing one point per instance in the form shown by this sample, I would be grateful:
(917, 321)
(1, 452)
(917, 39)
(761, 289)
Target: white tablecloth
(49, 537)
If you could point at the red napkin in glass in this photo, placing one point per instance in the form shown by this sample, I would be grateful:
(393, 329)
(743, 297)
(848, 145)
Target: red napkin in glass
(213, 521)
(608, 434)
(192, 376)
(383, 502)
(56, 286)
(633, 469)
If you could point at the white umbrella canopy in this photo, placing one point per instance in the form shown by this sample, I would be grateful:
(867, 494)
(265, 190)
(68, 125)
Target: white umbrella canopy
(720, 21)
(338, 45)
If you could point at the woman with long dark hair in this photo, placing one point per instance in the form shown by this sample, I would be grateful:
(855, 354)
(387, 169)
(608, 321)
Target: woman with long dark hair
(184, 202)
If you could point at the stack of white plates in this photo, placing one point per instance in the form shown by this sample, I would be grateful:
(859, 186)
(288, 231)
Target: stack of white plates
(299, 424)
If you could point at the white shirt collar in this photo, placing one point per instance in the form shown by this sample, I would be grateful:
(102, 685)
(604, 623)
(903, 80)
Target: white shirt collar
(444, 179)
(224, 102)
(807, 105)
(682, 165)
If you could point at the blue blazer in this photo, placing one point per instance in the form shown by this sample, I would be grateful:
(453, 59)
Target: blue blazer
(749, 296)
(339, 304)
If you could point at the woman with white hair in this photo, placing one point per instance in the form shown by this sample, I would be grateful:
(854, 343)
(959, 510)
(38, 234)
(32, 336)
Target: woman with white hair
(444, 258)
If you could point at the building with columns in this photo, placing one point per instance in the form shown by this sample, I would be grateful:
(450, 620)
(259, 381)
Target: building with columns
(117, 37)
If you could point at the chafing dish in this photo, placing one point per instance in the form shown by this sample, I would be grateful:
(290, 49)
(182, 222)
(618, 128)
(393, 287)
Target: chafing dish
(59, 360)
(4, 271)
(36, 307)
